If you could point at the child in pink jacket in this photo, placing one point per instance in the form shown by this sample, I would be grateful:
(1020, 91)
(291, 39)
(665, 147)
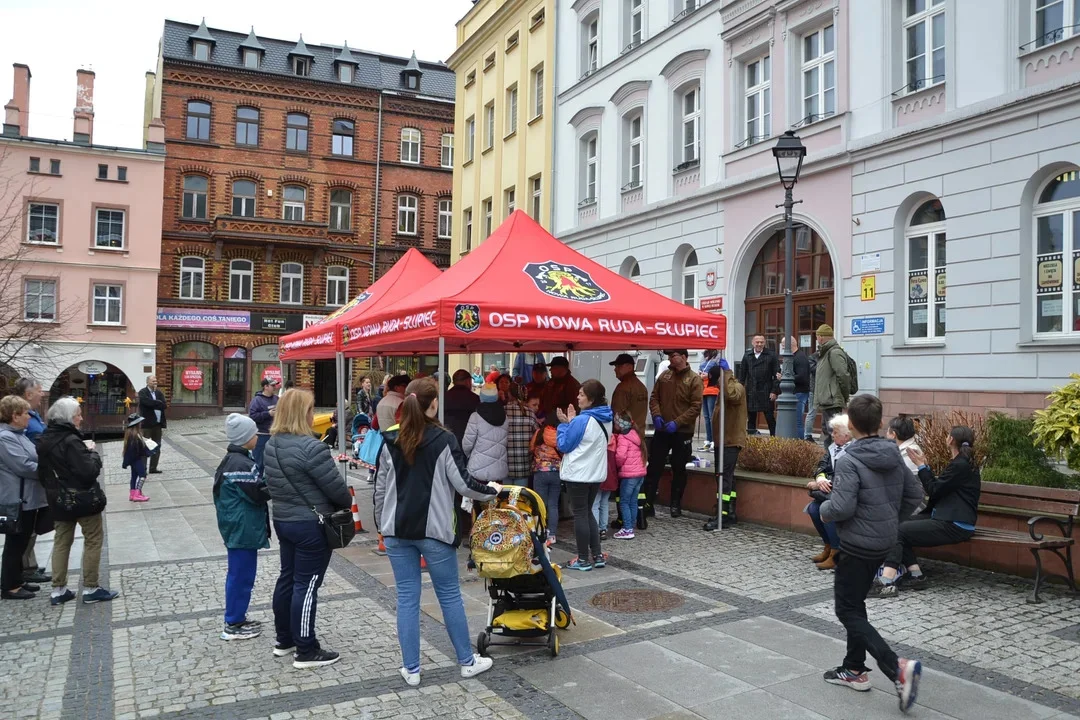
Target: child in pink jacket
(630, 461)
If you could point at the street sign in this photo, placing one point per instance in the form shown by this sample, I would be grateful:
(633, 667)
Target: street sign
(712, 304)
(869, 287)
(868, 326)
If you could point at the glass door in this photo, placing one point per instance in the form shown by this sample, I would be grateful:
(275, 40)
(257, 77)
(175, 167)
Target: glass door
(235, 390)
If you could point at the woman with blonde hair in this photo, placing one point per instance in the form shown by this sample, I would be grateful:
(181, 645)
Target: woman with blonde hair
(297, 466)
(821, 486)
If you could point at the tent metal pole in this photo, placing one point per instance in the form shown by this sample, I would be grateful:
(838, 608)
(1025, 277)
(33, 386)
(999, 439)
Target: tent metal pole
(442, 378)
(340, 363)
(718, 434)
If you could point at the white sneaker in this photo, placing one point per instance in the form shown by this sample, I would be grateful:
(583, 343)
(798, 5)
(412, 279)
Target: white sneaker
(480, 664)
(411, 679)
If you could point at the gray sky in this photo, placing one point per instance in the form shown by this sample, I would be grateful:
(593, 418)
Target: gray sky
(118, 40)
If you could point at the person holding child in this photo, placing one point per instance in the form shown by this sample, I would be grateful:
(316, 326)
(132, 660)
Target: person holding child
(631, 458)
(240, 499)
(135, 454)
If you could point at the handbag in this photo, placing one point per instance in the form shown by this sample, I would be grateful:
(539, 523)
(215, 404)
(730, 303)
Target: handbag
(337, 526)
(10, 513)
(81, 503)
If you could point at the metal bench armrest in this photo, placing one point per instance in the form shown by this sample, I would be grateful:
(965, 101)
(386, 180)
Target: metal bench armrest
(1064, 526)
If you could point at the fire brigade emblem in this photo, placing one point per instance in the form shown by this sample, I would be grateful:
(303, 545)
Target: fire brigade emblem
(566, 282)
(467, 318)
(348, 306)
(344, 335)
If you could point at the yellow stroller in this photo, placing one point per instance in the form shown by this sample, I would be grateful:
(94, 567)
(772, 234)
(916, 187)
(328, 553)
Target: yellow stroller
(525, 593)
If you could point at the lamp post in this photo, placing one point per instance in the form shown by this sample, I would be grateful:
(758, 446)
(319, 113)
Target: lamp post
(789, 153)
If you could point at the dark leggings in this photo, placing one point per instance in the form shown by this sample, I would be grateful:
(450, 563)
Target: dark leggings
(11, 566)
(923, 531)
(586, 530)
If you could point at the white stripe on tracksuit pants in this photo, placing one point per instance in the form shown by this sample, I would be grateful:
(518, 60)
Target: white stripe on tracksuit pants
(305, 613)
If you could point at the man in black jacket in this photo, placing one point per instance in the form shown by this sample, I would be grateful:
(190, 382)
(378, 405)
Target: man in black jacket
(758, 373)
(152, 409)
(461, 401)
(800, 368)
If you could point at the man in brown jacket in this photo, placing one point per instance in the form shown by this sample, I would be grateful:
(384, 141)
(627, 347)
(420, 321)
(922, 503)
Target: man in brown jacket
(561, 390)
(630, 395)
(735, 416)
(675, 405)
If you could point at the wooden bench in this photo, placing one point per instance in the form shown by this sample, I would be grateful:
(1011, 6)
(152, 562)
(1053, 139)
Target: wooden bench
(1056, 506)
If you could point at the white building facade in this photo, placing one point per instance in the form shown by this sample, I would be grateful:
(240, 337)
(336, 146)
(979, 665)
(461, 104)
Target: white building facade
(938, 201)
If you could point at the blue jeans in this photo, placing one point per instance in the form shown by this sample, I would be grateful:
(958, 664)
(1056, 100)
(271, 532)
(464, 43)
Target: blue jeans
(260, 446)
(628, 500)
(304, 559)
(549, 486)
(811, 413)
(239, 580)
(442, 565)
(800, 426)
(601, 508)
(827, 530)
(708, 404)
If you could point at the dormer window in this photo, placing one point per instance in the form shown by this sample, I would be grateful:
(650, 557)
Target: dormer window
(301, 66)
(252, 51)
(251, 59)
(410, 76)
(345, 63)
(201, 51)
(301, 58)
(412, 82)
(202, 42)
(345, 73)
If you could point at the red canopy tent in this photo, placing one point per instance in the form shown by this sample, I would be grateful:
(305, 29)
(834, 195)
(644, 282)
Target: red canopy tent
(329, 336)
(522, 289)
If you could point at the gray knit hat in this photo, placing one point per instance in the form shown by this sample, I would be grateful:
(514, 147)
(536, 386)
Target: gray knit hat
(239, 429)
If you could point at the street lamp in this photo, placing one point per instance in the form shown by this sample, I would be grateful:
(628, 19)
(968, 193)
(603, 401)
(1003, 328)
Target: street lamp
(789, 153)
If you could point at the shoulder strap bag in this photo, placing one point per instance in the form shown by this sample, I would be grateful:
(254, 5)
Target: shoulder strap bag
(10, 513)
(337, 526)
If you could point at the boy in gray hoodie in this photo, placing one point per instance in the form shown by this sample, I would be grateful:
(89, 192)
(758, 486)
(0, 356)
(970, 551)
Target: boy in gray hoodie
(872, 490)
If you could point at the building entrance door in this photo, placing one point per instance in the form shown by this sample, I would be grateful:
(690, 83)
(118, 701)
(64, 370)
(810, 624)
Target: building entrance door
(235, 388)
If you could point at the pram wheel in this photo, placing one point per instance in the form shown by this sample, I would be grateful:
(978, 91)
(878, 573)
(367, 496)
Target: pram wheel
(562, 620)
(553, 643)
(482, 643)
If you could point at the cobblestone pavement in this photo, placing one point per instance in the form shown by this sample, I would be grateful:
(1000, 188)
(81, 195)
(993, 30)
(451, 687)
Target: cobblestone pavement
(749, 630)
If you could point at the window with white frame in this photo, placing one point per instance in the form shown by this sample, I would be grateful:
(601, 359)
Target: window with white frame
(241, 273)
(689, 285)
(446, 217)
(511, 109)
(634, 29)
(758, 79)
(340, 209)
(685, 7)
(201, 51)
(538, 91)
(590, 44)
(247, 126)
(295, 202)
(192, 275)
(108, 304)
(296, 132)
(819, 74)
(488, 205)
(345, 73)
(292, 283)
(43, 223)
(342, 141)
(633, 152)
(489, 126)
(410, 146)
(446, 156)
(39, 300)
(251, 59)
(926, 279)
(110, 228)
(243, 198)
(1055, 20)
(406, 214)
(194, 201)
(688, 151)
(589, 169)
(509, 200)
(536, 197)
(924, 44)
(198, 120)
(1057, 252)
(470, 139)
(466, 240)
(337, 285)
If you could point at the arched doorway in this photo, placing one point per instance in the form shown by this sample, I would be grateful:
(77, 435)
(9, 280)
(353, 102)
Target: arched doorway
(813, 294)
(104, 392)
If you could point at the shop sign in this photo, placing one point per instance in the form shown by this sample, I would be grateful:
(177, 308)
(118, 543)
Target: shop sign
(272, 373)
(191, 378)
(310, 320)
(92, 367)
(265, 353)
(204, 319)
(276, 323)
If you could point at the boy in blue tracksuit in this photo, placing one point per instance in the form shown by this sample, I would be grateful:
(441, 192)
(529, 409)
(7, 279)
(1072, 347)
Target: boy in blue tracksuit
(240, 498)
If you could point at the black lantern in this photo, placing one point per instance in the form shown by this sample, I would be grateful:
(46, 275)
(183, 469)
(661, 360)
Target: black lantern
(789, 153)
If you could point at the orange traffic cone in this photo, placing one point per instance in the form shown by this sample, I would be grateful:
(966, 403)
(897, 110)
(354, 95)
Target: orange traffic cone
(381, 550)
(357, 525)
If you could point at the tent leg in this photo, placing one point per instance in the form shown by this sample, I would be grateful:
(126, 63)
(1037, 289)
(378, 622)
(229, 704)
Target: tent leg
(442, 378)
(718, 436)
(340, 363)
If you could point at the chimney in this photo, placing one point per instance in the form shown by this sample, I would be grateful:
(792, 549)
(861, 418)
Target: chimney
(17, 112)
(84, 108)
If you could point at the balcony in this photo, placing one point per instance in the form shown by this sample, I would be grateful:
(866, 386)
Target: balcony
(273, 230)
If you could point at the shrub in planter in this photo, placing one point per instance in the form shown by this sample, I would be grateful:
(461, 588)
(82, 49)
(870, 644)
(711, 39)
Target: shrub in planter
(933, 437)
(1057, 428)
(1012, 457)
(780, 456)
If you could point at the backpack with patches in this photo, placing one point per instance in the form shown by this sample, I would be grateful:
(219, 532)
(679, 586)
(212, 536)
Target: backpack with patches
(501, 540)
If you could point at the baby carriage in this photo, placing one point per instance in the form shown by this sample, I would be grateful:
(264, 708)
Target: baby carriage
(526, 601)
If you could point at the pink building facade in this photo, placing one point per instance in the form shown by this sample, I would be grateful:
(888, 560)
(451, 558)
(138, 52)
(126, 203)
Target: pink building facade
(81, 243)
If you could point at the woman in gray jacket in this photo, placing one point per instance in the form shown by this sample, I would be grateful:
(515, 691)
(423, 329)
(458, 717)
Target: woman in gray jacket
(297, 466)
(18, 481)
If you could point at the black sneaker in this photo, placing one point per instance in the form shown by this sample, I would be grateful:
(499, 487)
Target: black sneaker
(846, 678)
(284, 650)
(55, 600)
(882, 589)
(315, 658)
(252, 623)
(603, 534)
(240, 632)
(31, 587)
(712, 525)
(36, 575)
(99, 595)
(913, 582)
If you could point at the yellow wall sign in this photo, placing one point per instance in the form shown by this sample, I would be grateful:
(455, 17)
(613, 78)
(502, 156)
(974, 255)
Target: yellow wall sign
(869, 287)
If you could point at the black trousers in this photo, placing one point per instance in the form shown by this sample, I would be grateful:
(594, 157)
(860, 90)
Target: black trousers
(154, 434)
(770, 420)
(923, 531)
(681, 448)
(727, 477)
(11, 563)
(586, 530)
(853, 578)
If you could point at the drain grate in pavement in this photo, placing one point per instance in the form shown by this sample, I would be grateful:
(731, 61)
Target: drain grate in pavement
(636, 601)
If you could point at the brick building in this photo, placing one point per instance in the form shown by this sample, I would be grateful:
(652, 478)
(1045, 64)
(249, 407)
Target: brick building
(290, 169)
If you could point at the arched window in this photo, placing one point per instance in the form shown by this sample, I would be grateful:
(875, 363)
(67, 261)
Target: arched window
(340, 209)
(343, 138)
(240, 280)
(410, 146)
(446, 217)
(192, 274)
(689, 279)
(194, 374)
(1057, 255)
(247, 126)
(292, 283)
(294, 199)
(406, 214)
(925, 240)
(194, 205)
(243, 198)
(337, 285)
(198, 120)
(296, 132)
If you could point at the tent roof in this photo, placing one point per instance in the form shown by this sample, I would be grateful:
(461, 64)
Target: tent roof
(522, 289)
(324, 339)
